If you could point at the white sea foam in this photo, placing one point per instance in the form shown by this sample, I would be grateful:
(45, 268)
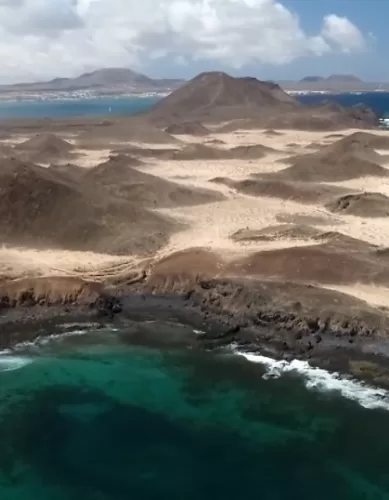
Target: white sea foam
(10, 359)
(35, 344)
(10, 363)
(46, 339)
(198, 332)
(324, 381)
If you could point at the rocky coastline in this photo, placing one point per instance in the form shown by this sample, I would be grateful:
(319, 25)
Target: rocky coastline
(280, 320)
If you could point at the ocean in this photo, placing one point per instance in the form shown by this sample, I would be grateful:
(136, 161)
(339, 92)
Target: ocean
(55, 108)
(88, 416)
(378, 101)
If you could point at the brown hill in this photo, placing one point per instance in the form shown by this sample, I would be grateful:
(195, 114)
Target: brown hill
(363, 140)
(338, 260)
(332, 165)
(279, 232)
(358, 144)
(187, 128)
(216, 96)
(361, 204)
(144, 189)
(248, 103)
(133, 129)
(253, 151)
(68, 171)
(205, 152)
(46, 142)
(295, 191)
(327, 116)
(41, 207)
(197, 152)
(334, 259)
(272, 133)
(321, 119)
(44, 148)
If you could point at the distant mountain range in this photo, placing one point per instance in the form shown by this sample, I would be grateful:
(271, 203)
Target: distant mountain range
(118, 79)
(333, 83)
(332, 78)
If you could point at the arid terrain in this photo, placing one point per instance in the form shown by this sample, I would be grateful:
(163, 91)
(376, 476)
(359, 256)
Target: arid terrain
(280, 234)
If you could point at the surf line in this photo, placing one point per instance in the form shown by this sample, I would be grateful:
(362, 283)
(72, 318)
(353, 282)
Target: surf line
(322, 380)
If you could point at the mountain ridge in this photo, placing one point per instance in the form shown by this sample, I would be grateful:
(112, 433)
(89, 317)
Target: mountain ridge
(102, 78)
(332, 78)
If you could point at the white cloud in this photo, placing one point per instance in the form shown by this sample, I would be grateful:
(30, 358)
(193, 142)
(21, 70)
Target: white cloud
(47, 38)
(342, 32)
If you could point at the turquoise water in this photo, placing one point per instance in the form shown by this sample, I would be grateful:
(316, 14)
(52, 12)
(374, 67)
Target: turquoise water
(93, 418)
(379, 101)
(74, 107)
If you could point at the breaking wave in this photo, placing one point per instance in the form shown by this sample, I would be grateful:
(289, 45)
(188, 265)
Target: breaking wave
(324, 381)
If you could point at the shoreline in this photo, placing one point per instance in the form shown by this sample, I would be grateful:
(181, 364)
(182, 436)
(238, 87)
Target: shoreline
(353, 351)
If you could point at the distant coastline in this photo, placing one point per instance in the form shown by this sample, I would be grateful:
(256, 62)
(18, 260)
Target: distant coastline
(83, 103)
(334, 92)
(18, 96)
(77, 95)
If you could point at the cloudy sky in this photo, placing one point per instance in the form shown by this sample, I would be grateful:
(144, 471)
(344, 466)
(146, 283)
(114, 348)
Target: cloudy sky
(43, 39)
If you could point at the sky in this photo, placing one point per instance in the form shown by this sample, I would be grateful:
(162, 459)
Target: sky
(269, 39)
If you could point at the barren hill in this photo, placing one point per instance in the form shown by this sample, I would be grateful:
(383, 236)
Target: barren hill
(363, 140)
(43, 148)
(331, 78)
(216, 95)
(132, 129)
(42, 207)
(248, 103)
(146, 190)
(348, 158)
(47, 141)
(104, 78)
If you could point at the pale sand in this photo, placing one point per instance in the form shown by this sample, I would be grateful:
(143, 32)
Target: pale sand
(211, 225)
(16, 139)
(22, 262)
(375, 295)
(90, 158)
(366, 184)
(200, 172)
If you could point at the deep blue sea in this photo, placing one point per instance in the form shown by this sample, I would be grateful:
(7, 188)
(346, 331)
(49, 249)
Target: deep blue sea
(91, 417)
(378, 101)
